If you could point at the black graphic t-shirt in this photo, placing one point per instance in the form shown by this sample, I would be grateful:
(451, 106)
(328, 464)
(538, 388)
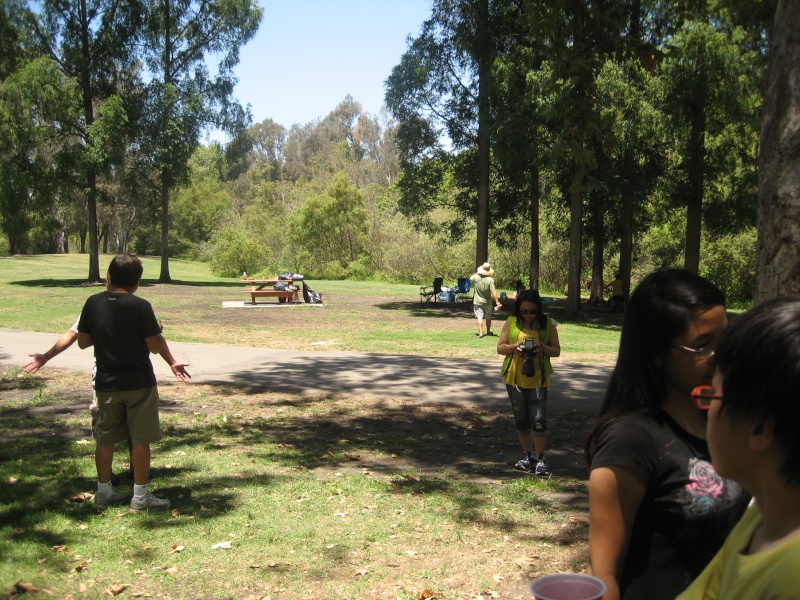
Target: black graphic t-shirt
(688, 509)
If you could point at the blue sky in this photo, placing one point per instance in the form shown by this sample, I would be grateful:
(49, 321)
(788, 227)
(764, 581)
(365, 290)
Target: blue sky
(309, 54)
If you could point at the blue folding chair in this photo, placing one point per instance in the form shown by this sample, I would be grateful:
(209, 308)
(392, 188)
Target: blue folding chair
(462, 289)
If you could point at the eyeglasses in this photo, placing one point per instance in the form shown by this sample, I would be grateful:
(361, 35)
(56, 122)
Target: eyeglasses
(706, 351)
(522, 311)
(702, 396)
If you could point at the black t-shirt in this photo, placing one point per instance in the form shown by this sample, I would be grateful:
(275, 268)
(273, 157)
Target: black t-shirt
(687, 511)
(119, 325)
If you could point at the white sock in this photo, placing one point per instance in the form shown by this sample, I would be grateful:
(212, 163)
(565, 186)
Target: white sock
(105, 488)
(140, 490)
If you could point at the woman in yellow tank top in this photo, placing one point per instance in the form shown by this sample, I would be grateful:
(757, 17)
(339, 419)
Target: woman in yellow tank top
(528, 340)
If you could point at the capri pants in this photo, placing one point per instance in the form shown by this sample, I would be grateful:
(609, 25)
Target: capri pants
(530, 408)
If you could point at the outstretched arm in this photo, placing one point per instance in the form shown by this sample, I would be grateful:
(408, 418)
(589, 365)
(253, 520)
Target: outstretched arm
(39, 360)
(158, 345)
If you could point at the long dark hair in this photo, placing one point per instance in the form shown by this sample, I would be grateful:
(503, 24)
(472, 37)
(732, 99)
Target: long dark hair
(531, 296)
(657, 313)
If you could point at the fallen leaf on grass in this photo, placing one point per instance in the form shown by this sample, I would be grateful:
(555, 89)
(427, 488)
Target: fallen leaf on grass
(350, 456)
(411, 477)
(362, 571)
(580, 520)
(176, 548)
(115, 589)
(498, 578)
(12, 481)
(176, 512)
(16, 532)
(488, 594)
(83, 588)
(59, 548)
(24, 587)
(78, 498)
(171, 570)
(83, 442)
(427, 594)
(255, 566)
(82, 567)
(222, 546)
(411, 552)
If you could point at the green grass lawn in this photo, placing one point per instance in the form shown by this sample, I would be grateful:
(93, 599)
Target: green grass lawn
(47, 292)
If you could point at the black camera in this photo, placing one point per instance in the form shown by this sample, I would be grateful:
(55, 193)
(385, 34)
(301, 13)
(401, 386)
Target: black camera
(529, 357)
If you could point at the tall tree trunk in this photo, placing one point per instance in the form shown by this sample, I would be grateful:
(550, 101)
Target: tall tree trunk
(575, 248)
(598, 247)
(164, 276)
(482, 244)
(779, 166)
(166, 139)
(91, 175)
(697, 161)
(626, 242)
(536, 193)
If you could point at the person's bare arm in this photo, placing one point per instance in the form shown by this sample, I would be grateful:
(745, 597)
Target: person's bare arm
(158, 345)
(615, 494)
(84, 340)
(553, 347)
(505, 347)
(39, 360)
(496, 299)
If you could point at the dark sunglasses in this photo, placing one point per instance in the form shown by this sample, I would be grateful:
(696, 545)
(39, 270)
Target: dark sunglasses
(522, 311)
(702, 396)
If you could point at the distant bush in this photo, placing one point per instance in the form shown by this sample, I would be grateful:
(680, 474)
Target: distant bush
(730, 262)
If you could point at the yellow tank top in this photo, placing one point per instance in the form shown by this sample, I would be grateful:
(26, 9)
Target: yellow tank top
(514, 375)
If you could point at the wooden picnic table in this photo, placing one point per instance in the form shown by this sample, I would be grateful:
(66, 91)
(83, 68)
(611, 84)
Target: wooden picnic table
(259, 288)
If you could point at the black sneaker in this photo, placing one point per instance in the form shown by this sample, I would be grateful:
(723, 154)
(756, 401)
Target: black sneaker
(542, 467)
(526, 464)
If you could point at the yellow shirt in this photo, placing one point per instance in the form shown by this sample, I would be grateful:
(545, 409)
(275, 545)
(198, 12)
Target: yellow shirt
(772, 574)
(514, 375)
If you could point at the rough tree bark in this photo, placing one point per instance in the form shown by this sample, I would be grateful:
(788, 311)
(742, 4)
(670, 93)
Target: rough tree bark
(779, 164)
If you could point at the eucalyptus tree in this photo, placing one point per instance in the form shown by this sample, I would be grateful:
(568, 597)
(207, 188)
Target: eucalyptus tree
(183, 98)
(440, 90)
(90, 40)
(268, 139)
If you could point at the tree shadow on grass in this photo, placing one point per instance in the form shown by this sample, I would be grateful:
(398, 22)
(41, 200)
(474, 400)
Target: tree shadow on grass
(451, 450)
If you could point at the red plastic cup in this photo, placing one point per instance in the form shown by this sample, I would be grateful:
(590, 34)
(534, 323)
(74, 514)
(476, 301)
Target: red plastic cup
(568, 586)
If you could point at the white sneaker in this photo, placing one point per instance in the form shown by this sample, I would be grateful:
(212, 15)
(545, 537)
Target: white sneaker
(148, 502)
(102, 501)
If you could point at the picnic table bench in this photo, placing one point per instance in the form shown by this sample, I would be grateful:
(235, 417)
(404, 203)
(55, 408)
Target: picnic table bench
(257, 289)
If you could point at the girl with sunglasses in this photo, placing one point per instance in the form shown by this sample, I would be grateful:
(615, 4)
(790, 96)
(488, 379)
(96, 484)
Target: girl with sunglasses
(526, 373)
(658, 511)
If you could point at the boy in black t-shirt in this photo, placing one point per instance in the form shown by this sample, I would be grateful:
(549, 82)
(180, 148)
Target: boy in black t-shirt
(124, 331)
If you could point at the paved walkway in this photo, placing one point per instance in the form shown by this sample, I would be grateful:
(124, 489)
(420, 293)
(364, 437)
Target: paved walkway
(429, 379)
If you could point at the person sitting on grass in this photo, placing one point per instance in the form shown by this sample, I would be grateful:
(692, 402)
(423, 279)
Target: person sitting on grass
(753, 409)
